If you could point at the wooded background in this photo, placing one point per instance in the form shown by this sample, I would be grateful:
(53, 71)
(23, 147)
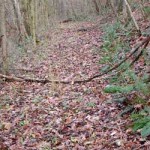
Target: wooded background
(26, 20)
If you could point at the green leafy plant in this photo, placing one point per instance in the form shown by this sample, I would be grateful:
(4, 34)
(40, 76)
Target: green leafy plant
(126, 80)
(118, 89)
(113, 45)
(141, 121)
(91, 104)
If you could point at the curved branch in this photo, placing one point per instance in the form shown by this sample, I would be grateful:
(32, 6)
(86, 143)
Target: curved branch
(44, 81)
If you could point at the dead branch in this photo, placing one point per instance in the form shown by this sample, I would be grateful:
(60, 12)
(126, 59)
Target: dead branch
(22, 79)
(146, 41)
(131, 14)
(1, 40)
(139, 54)
(67, 20)
(44, 81)
(23, 69)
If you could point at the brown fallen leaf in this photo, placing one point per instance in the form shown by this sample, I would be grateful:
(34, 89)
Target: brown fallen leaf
(6, 126)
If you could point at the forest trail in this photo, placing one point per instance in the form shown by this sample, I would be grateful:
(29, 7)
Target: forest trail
(55, 116)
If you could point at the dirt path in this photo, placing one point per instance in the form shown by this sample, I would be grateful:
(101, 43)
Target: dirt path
(66, 117)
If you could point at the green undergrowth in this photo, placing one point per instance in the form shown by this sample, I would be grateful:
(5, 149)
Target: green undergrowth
(141, 121)
(147, 11)
(125, 80)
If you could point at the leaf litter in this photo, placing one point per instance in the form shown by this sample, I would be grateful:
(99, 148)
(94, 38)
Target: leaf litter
(55, 116)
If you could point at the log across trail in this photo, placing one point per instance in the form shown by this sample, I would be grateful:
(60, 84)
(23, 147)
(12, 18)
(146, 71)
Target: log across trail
(115, 66)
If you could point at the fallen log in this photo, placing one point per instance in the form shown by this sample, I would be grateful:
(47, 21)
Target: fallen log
(22, 79)
(67, 20)
(44, 81)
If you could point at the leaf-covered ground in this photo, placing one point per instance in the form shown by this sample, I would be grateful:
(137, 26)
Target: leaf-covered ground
(36, 116)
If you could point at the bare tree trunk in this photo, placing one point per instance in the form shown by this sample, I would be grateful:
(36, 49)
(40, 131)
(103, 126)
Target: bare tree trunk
(125, 11)
(33, 20)
(4, 39)
(96, 6)
(20, 24)
(26, 6)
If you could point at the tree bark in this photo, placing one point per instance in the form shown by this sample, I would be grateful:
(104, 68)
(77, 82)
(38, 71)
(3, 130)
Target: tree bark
(19, 19)
(96, 6)
(33, 21)
(4, 38)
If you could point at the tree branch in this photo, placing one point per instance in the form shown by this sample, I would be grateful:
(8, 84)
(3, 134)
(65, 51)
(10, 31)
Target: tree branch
(44, 81)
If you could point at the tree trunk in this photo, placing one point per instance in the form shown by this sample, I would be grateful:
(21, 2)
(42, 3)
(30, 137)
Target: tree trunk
(33, 21)
(96, 6)
(4, 39)
(20, 24)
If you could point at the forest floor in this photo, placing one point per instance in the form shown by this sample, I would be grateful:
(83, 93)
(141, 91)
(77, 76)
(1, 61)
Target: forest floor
(36, 116)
